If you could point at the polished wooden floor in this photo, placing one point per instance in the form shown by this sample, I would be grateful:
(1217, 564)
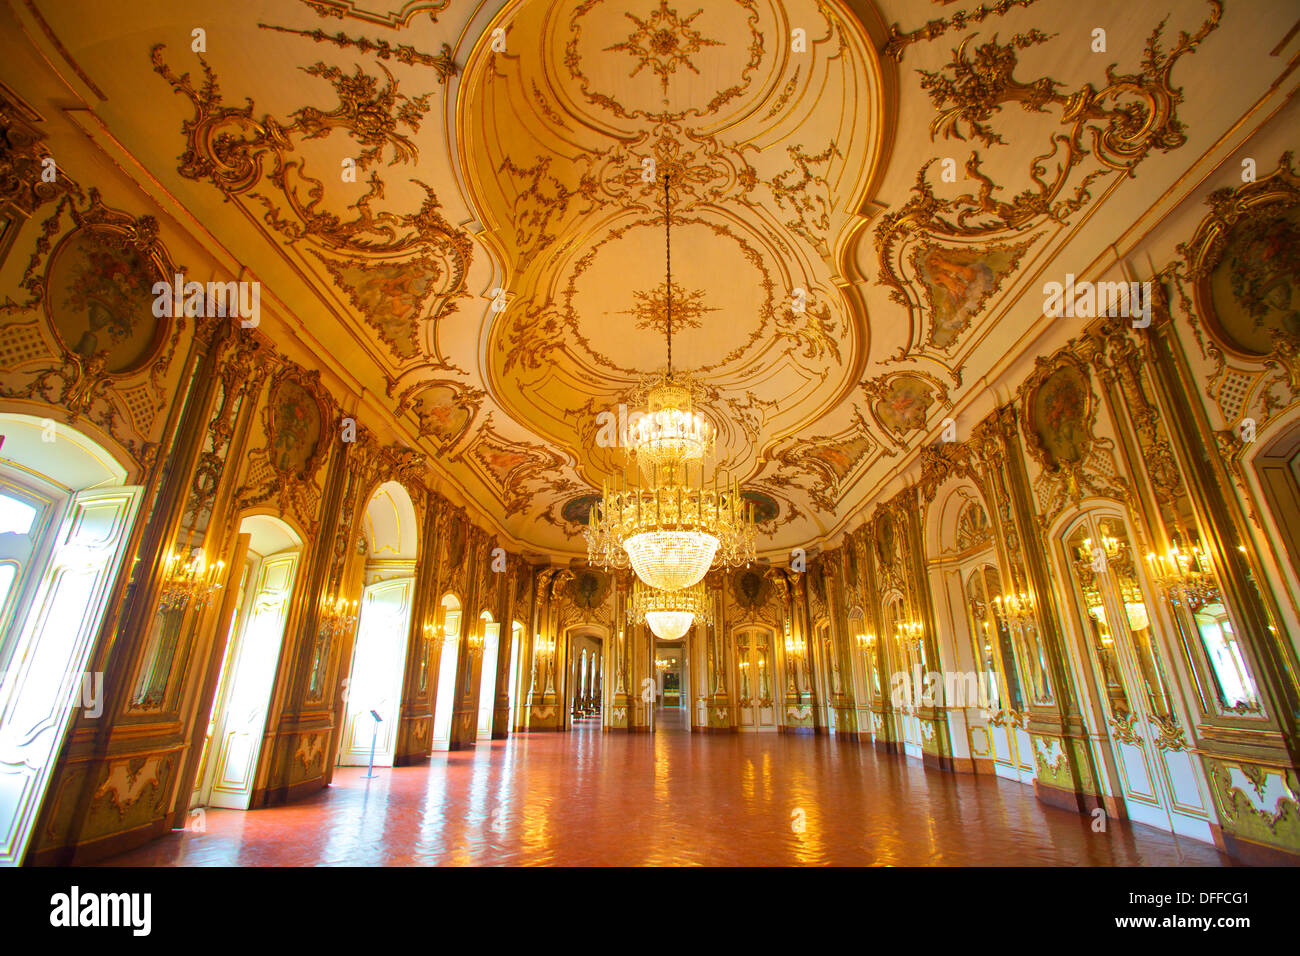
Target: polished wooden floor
(592, 798)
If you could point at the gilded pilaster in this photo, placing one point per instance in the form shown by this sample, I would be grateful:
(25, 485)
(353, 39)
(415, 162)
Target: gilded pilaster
(545, 703)
(1066, 775)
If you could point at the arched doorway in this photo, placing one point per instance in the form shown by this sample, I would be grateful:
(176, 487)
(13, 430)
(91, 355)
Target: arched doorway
(228, 766)
(66, 515)
(444, 700)
(584, 686)
(906, 680)
(379, 652)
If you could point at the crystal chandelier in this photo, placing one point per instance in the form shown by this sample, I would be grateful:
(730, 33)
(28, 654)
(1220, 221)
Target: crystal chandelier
(670, 434)
(662, 516)
(670, 533)
(190, 581)
(669, 614)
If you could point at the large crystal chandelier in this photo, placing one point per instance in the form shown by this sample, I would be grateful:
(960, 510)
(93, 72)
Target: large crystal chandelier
(669, 614)
(670, 434)
(661, 515)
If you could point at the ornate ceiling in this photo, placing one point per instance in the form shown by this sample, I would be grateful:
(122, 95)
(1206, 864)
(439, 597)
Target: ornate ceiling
(768, 154)
(455, 205)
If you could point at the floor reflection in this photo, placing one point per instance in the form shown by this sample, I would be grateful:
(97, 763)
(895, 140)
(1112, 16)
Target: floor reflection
(608, 798)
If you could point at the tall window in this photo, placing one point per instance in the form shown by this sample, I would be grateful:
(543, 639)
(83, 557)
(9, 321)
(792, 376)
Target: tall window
(24, 515)
(1233, 684)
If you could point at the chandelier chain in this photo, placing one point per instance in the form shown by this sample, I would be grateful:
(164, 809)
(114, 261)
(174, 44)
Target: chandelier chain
(668, 257)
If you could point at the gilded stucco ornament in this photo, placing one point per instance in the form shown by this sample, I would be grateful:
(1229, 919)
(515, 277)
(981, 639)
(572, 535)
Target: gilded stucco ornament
(442, 64)
(1169, 734)
(1112, 350)
(393, 19)
(444, 409)
(578, 229)
(901, 402)
(516, 472)
(1244, 277)
(899, 40)
(1102, 131)
(100, 353)
(397, 269)
(1059, 412)
(23, 155)
(823, 465)
(1261, 802)
(1125, 730)
(297, 417)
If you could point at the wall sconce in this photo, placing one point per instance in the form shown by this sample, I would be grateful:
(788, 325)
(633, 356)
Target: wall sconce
(1016, 609)
(795, 646)
(663, 663)
(866, 642)
(1109, 544)
(433, 636)
(475, 641)
(1185, 576)
(545, 646)
(337, 616)
(192, 580)
(909, 631)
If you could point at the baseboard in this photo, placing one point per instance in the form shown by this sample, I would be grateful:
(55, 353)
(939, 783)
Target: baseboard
(1248, 851)
(1070, 800)
(102, 848)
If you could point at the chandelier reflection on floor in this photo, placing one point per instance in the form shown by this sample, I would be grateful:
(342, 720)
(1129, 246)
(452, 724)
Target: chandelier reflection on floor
(662, 516)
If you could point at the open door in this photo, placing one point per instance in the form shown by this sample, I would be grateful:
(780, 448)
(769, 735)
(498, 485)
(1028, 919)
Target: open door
(250, 679)
(487, 694)
(42, 685)
(514, 693)
(378, 663)
(448, 660)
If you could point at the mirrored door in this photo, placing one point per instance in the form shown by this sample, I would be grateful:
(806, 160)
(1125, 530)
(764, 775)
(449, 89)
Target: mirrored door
(755, 682)
(1159, 781)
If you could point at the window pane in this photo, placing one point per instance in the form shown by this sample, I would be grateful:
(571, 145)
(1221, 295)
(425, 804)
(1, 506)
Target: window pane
(7, 574)
(16, 517)
(1236, 689)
